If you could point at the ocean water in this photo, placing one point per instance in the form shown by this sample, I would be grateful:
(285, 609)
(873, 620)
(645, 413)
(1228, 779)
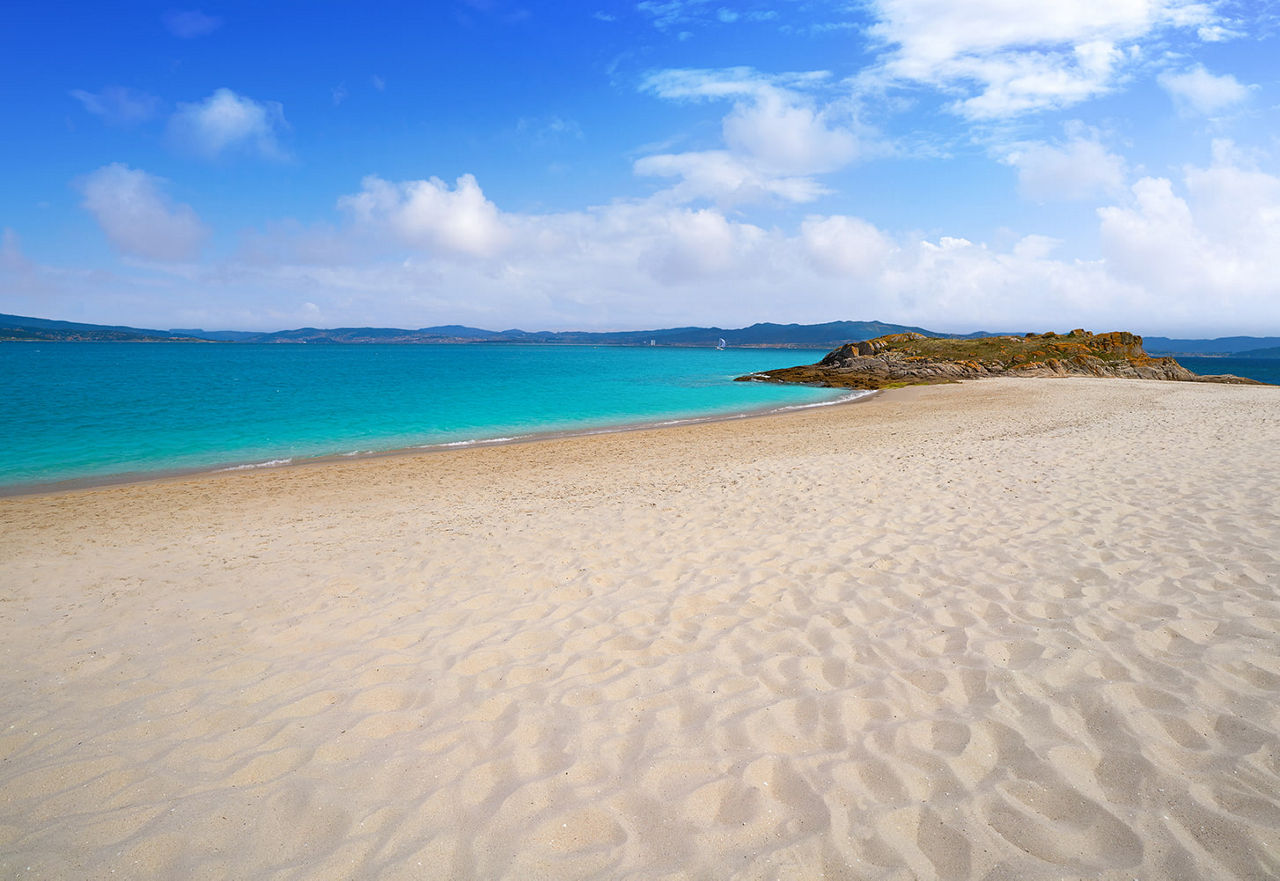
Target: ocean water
(1261, 369)
(100, 411)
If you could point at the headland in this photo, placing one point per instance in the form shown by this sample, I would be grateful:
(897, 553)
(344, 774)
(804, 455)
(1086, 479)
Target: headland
(900, 359)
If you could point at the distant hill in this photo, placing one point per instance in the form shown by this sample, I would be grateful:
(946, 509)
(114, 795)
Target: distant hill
(1273, 352)
(221, 336)
(816, 336)
(1229, 345)
(18, 327)
(828, 335)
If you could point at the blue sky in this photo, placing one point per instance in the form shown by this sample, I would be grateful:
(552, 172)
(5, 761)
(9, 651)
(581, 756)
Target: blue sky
(991, 164)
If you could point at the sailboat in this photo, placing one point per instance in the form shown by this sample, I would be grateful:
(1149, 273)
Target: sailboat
(720, 344)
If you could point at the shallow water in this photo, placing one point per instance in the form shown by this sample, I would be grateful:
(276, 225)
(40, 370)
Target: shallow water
(93, 411)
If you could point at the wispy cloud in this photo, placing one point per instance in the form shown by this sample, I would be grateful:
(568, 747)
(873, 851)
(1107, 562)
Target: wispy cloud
(547, 130)
(669, 13)
(187, 24)
(118, 105)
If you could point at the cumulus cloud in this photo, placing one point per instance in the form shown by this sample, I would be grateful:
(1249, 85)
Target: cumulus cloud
(1216, 244)
(1078, 169)
(138, 218)
(226, 122)
(1198, 91)
(787, 136)
(775, 136)
(646, 261)
(1006, 57)
(845, 246)
(187, 24)
(426, 213)
(1189, 254)
(698, 245)
(118, 105)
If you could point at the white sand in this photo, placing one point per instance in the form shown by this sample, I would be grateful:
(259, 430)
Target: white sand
(1015, 629)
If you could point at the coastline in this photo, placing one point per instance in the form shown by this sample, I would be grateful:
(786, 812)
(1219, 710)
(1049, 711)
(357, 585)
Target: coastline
(1013, 628)
(177, 409)
(839, 397)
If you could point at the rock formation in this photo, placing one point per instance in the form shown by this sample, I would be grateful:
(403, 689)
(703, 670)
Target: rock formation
(913, 359)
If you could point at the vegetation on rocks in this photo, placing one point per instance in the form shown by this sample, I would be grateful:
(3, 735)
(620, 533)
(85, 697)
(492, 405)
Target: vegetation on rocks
(913, 359)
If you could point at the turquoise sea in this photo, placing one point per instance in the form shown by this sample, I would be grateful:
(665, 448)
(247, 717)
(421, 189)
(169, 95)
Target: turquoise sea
(103, 411)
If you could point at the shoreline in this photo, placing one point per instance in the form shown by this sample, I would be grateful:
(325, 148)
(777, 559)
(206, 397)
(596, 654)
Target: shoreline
(839, 397)
(999, 629)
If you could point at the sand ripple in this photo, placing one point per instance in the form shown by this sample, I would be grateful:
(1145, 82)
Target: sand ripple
(1011, 630)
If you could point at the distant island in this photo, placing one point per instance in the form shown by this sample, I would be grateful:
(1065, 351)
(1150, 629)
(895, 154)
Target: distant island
(901, 359)
(18, 328)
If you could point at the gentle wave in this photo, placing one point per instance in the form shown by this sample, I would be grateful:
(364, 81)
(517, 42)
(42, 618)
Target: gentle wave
(475, 441)
(272, 463)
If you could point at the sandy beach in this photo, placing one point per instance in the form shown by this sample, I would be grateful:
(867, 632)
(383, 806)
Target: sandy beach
(1009, 629)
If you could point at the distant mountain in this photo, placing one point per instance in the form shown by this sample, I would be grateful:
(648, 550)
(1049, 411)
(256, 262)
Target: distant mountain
(1230, 345)
(1273, 352)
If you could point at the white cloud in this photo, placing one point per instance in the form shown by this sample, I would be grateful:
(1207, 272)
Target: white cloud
(1081, 168)
(1006, 57)
(1196, 90)
(118, 105)
(1194, 255)
(426, 213)
(1211, 254)
(138, 218)
(226, 123)
(775, 136)
(786, 136)
(647, 262)
(697, 245)
(729, 82)
(190, 23)
(845, 246)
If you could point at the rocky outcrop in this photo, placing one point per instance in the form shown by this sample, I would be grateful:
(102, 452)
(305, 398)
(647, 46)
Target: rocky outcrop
(913, 359)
